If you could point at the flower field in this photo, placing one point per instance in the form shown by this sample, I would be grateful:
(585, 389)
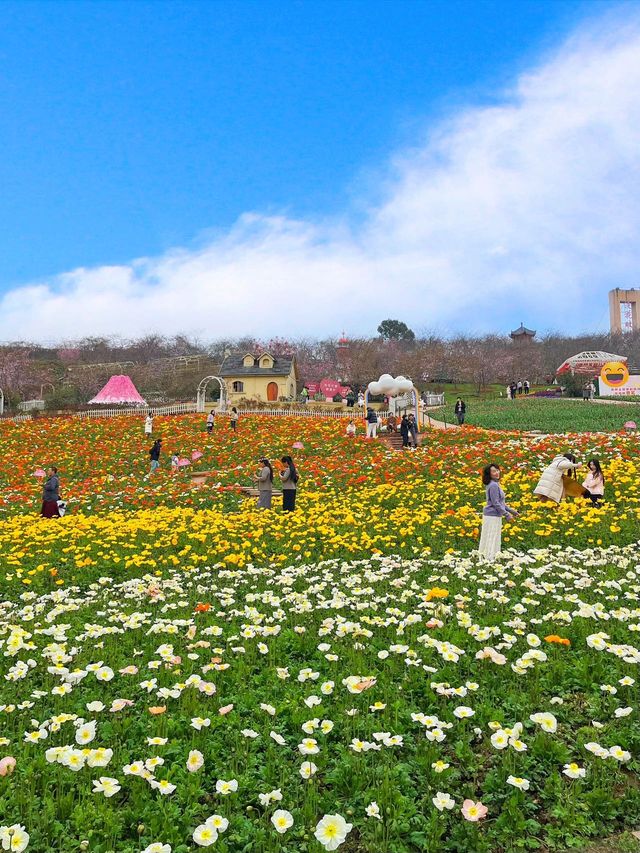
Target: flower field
(181, 670)
(547, 415)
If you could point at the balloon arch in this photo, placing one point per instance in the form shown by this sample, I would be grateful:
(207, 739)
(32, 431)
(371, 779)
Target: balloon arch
(401, 393)
(201, 393)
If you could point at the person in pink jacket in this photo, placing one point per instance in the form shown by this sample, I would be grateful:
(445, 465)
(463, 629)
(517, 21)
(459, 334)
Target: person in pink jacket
(594, 483)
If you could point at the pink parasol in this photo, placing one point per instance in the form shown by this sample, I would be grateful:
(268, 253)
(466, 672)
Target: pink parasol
(182, 462)
(39, 472)
(298, 445)
(196, 454)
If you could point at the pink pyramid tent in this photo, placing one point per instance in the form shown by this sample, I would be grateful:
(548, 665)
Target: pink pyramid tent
(119, 389)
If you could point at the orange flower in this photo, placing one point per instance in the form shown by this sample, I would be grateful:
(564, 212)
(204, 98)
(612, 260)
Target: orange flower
(157, 709)
(561, 641)
(202, 608)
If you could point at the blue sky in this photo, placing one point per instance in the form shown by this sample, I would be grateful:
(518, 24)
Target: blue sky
(150, 130)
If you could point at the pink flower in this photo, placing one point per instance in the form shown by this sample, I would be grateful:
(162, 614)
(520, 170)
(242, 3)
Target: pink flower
(473, 811)
(7, 765)
(225, 710)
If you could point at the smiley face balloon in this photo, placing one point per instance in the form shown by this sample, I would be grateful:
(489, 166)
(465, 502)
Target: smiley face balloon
(614, 373)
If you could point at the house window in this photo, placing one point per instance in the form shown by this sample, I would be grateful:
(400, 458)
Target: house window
(238, 387)
(265, 362)
(248, 360)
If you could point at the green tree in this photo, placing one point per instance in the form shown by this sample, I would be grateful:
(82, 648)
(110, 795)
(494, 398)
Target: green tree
(395, 330)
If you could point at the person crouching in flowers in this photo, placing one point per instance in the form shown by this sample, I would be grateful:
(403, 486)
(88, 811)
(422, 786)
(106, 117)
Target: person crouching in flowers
(264, 481)
(551, 486)
(594, 483)
(494, 511)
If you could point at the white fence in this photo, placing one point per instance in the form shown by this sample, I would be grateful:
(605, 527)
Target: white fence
(185, 408)
(174, 409)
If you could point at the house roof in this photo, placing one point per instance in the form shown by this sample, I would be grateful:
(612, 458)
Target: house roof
(233, 366)
(523, 331)
(119, 389)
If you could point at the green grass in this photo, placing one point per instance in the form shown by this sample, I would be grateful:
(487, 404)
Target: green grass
(549, 416)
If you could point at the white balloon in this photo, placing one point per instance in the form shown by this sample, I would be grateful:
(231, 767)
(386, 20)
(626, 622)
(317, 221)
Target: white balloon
(374, 388)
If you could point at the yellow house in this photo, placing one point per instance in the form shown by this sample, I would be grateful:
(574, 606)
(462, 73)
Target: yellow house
(262, 378)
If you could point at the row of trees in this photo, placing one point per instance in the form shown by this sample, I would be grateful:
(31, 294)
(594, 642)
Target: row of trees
(171, 367)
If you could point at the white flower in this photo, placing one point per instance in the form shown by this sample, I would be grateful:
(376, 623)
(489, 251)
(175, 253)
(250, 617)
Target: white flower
(14, 838)
(195, 761)
(282, 820)
(277, 737)
(440, 766)
(500, 739)
(309, 746)
(205, 835)
(157, 847)
(268, 708)
(307, 769)
(249, 733)
(99, 757)
(546, 721)
(327, 687)
(519, 782)
(106, 785)
(443, 801)
(86, 733)
(619, 754)
(105, 673)
(225, 788)
(623, 712)
(164, 786)
(573, 771)
(218, 822)
(462, 712)
(95, 706)
(332, 831)
(373, 810)
(199, 723)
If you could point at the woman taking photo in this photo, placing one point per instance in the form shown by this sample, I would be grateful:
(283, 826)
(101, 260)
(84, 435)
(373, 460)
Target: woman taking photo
(264, 480)
(551, 486)
(233, 417)
(494, 511)
(594, 483)
(289, 477)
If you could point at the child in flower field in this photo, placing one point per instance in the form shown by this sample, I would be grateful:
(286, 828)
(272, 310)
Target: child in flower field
(175, 459)
(594, 482)
(494, 511)
(351, 429)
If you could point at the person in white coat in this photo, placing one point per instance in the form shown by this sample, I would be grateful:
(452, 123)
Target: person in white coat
(148, 424)
(550, 485)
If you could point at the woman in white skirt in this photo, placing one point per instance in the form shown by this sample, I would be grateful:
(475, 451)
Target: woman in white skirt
(494, 511)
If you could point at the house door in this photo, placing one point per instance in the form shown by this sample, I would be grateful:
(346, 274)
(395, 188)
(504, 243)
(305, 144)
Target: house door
(272, 392)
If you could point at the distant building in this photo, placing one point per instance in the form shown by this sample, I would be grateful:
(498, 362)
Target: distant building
(262, 378)
(522, 335)
(623, 310)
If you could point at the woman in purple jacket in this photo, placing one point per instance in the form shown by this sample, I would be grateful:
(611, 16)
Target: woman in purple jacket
(494, 511)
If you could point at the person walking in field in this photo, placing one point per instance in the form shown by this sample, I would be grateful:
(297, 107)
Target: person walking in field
(51, 494)
(289, 477)
(264, 482)
(460, 410)
(594, 483)
(551, 486)
(233, 418)
(148, 424)
(527, 387)
(372, 423)
(154, 455)
(495, 509)
(211, 419)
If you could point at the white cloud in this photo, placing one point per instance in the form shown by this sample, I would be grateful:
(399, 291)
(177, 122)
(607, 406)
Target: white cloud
(526, 210)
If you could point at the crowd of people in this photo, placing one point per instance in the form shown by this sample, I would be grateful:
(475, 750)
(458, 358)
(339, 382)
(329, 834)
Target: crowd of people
(516, 389)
